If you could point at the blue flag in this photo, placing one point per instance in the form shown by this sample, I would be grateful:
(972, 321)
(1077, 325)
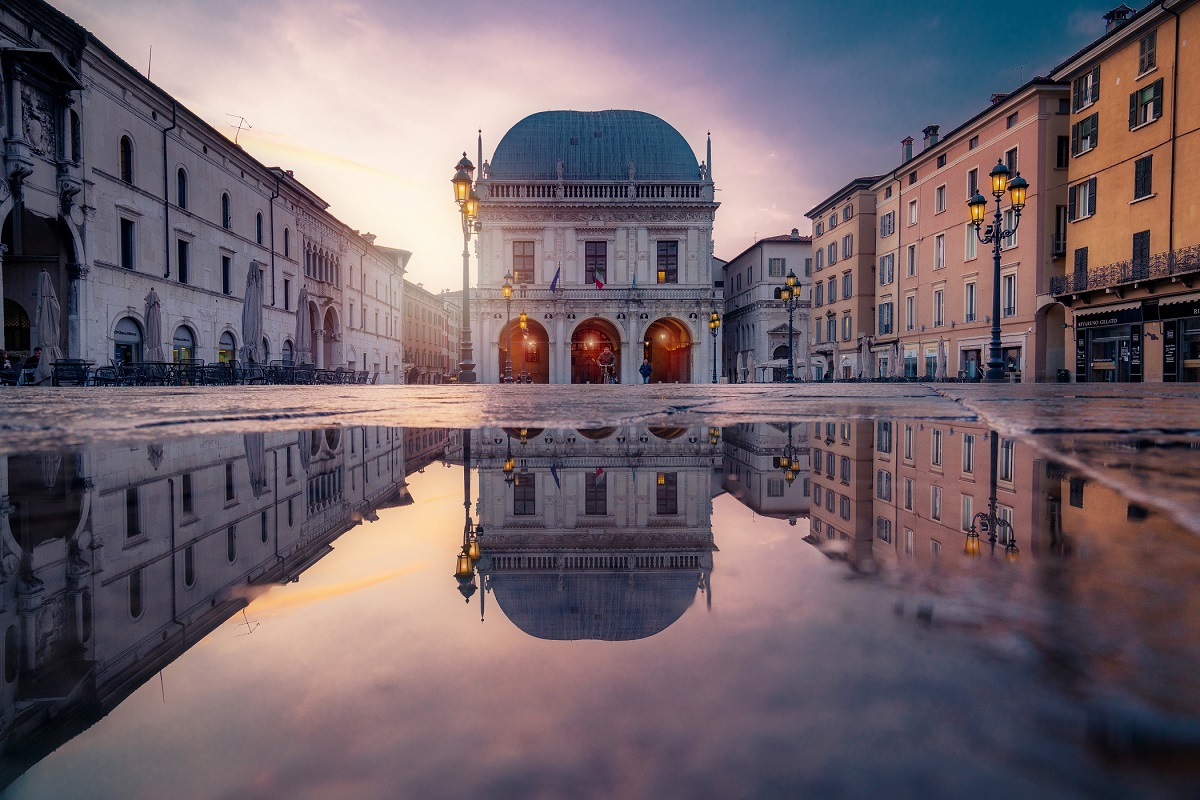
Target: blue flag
(554, 283)
(554, 467)
(635, 280)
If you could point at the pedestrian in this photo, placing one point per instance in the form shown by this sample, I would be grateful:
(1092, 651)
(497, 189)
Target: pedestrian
(606, 360)
(34, 358)
(644, 369)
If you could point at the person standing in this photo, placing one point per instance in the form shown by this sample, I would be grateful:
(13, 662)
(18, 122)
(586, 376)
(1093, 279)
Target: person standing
(645, 370)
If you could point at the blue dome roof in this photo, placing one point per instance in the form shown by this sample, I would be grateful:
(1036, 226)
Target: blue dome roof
(593, 145)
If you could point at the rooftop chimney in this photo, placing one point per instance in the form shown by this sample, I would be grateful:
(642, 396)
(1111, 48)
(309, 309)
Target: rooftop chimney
(999, 97)
(906, 149)
(369, 237)
(931, 135)
(795, 233)
(1117, 17)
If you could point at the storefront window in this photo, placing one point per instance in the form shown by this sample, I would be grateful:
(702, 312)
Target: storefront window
(183, 345)
(226, 348)
(127, 341)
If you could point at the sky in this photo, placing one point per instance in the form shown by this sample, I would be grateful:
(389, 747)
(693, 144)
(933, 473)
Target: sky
(372, 102)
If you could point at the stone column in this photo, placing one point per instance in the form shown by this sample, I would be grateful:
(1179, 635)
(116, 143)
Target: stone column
(561, 371)
(319, 348)
(3, 251)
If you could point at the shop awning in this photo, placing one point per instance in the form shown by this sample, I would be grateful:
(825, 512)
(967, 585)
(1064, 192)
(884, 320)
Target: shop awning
(1092, 311)
(1180, 298)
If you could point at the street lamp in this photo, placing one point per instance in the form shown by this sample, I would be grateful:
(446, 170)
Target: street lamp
(994, 234)
(464, 568)
(506, 289)
(468, 206)
(524, 334)
(714, 325)
(994, 526)
(788, 461)
(788, 295)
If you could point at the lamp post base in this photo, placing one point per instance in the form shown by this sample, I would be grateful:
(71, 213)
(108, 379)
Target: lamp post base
(466, 372)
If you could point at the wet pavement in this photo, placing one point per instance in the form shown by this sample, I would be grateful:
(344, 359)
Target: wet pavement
(672, 591)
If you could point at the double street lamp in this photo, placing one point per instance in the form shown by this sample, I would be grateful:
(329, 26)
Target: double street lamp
(994, 234)
(788, 295)
(788, 462)
(991, 523)
(468, 206)
(506, 290)
(714, 325)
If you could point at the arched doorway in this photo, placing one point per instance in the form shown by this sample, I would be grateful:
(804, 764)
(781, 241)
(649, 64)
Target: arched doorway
(16, 327)
(226, 348)
(329, 341)
(589, 343)
(183, 344)
(288, 354)
(668, 345)
(127, 341)
(34, 243)
(530, 350)
(1050, 361)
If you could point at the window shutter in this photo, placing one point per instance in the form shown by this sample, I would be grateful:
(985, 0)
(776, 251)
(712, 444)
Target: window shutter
(1139, 172)
(1158, 98)
(1095, 84)
(1147, 174)
(1091, 197)
(1142, 55)
(1133, 109)
(1077, 94)
(1071, 195)
(1075, 138)
(1094, 128)
(1081, 254)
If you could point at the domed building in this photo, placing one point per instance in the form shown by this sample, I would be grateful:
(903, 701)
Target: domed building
(602, 221)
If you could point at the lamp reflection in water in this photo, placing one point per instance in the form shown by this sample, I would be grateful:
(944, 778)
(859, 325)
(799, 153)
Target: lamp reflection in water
(996, 527)
(468, 557)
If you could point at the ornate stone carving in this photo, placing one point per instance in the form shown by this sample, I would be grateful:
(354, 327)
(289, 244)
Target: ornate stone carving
(37, 121)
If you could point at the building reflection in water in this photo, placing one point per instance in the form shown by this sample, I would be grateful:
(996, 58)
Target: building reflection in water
(602, 533)
(113, 562)
(766, 468)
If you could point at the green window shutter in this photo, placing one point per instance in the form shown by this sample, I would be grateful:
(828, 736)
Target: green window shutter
(1091, 197)
(1071, 194)
(1133, 109)
(1158, 97)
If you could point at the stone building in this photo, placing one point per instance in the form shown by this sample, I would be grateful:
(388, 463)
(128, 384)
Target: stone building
(430, 352)
(115, 190)
(755, 327)
(604, 221)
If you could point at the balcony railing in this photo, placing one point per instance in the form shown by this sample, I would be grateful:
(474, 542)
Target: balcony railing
(1184, 261)
(593, 191)
(654, 291)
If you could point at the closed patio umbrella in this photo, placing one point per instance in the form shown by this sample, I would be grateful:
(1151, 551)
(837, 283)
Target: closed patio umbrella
(303, 334)
(47, 323)
(866, 360)
(941, 359)
(154, 350)
(256, 461)
(750, 367)
(252, 316)
(741, 367)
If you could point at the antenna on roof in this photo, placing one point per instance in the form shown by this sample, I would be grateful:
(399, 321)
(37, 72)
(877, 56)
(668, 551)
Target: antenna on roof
(1020, 70)
(149, 61)
(241, 125)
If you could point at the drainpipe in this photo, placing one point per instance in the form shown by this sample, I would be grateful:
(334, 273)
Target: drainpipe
(272, 214)
(167, 193)
(1174, 118)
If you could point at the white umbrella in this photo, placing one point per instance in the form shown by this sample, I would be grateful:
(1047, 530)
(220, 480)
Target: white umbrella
(154, 338)
(48, 326)
(252, 319)
(866, 360)
(750, 366)
(256, 461)
(941, 359)
(300, 351)
(741, 367)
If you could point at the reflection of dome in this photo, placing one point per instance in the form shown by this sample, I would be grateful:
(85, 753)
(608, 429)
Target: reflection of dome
(606, 606)
(594, 145)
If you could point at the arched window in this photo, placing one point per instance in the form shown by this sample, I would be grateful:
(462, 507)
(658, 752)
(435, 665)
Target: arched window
(287, 247)
(287, 353)
(226, 348)
(126, 166)
(183, 345)
(181, 188)
(127, 341)
(226, 221)
(258, 233)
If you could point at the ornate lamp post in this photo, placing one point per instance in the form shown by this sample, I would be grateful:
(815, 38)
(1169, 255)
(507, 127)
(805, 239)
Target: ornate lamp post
(714, 325)
(994, 234)
(464, 569)
(468, 205)
(788, 295)
(524, 333)
(994, 526)
(788, 461)
(506, 289)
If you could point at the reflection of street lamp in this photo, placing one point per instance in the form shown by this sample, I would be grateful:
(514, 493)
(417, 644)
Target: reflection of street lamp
(788, 295)
(995, 233)
(788, 461)
(468, 205)
(994, 526)
(510, 463)
(506, 289)
(464, 570)
(524, 336)
(714, 325)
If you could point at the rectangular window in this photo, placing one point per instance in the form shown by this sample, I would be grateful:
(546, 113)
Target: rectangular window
(973, 142)
(1011, 121)
(667, 494)
(1010, 161)
(939, 307)
(935, 502)
(887, 224)
(774, 487)
(287, 294)
(807, 267)
(910, 312)
(185, 484)
(523, 257)
(525, 495)
(847, 285)
(133, 519)
(776, 267)
(1147, 59)
(939, 199)
(939, 251)
(1085, 90)
(968, 511)
(833, 220)
(1076, 498)
(818, 494)
(1145, 105)
(844, 507)
(845, 465)
(969, 302)
(908, 542)
(885, 318)
(1006, 459)
(1143, 177)
(595, 494)
(1008, 295)
(912, 212)
(912, 177)
(127, 244)
(968, 453)
(847, 213)
(941, 161)
(883, 530)
(1081, 200)
(1010, 224)
(831, 329)
(182, 250)
(819, 255)
(1084, 134)
(972, 183)
(832, 289)
(912, 260)
(935, 457)
(819, 295)
(847, 328)
(831, 253)
(883, 437)
(1063, 153)
(883, 485)
(668, 262)
(819, 229)
(971, 242)
(848, 245)
(595, 262)
(908, 494)
(226, 275)
(887, 269)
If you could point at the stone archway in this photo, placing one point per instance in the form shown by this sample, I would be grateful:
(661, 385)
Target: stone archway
(34, 244)
(331, 341)
(588, 344)
(530, 350)
(668, 345)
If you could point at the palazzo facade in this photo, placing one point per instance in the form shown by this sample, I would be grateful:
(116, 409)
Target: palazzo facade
(604, 222)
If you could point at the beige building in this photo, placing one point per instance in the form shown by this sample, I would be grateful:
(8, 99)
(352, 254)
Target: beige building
(430, 349)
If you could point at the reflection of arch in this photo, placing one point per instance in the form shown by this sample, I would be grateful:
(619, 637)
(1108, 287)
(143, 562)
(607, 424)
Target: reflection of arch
(596, 434)
(523, 435)
(588, 341)
(668, 433)
(536, 350)
(668, 346)
(333, 438)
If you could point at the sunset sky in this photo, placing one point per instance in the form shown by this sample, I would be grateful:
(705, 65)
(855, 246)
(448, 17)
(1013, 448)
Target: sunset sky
(371, 102)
